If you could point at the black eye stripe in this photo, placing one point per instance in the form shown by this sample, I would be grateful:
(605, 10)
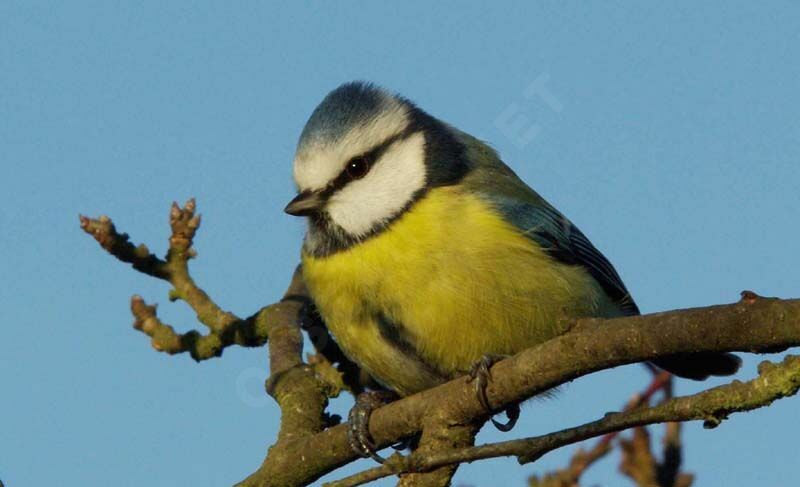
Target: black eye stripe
(369, 158)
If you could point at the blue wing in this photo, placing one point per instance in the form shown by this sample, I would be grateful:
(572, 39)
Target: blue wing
(535, 217)
(565, 242)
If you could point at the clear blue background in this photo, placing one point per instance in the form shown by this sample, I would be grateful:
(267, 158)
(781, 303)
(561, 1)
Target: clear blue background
(676, 150)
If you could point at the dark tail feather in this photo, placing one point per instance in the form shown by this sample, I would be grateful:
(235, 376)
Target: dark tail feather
(699, 366)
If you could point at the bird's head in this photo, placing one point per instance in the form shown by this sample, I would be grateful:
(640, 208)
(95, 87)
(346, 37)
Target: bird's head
(364, 157)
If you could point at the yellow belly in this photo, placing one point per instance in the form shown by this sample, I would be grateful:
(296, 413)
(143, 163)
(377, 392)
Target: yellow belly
(460, 283)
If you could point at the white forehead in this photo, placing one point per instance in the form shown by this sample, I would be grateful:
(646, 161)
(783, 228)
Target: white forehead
(319, 162)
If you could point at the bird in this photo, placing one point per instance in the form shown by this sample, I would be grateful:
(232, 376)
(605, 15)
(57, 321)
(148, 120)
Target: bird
(425, 253)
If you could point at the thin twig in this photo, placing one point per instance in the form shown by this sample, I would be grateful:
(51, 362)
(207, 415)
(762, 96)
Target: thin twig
(163, 337)
(225, 328)
(583, 459)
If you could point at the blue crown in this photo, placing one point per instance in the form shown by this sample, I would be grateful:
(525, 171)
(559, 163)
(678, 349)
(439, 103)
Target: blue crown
(344, 108)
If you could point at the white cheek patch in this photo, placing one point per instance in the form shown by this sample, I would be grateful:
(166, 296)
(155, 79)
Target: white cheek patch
(384, 191)
(319, 164)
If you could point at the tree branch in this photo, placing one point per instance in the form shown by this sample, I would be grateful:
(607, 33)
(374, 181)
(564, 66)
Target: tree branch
(669, 470)
(225, 328)
(301, 390)
(752, 325)
(583, 459)
(641, 466)
(775, 381)
(439, 434)
(309, 445)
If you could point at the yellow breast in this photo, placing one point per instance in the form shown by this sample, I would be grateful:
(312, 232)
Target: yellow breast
(459, 282)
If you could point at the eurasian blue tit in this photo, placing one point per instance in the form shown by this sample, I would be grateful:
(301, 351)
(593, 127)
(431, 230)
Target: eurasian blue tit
(425, 252)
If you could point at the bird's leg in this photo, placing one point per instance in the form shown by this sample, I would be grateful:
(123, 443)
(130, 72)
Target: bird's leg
(358, 432)
(481, 374)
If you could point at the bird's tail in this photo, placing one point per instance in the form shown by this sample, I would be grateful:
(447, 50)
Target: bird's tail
(699, 366)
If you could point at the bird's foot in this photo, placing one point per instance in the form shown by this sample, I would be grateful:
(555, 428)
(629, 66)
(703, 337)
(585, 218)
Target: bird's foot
(358, 431)
(481, 374)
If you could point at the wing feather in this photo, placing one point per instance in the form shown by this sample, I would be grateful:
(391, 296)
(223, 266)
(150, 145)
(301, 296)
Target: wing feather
(566, 243)
(540, 221)
(537, 219)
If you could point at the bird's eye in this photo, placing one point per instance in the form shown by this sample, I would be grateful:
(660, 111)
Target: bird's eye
(357, 167)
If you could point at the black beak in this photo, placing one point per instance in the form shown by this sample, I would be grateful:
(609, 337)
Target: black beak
(304, 204)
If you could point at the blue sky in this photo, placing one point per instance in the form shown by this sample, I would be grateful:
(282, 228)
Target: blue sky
(669, 134)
